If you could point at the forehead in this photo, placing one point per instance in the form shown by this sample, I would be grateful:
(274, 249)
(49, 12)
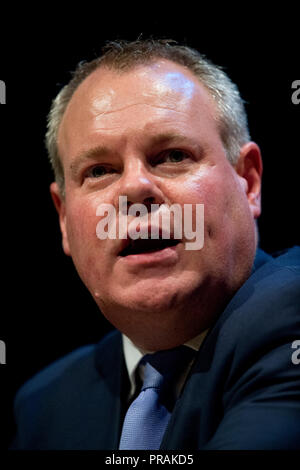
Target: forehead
(108, 99)
(108, 89)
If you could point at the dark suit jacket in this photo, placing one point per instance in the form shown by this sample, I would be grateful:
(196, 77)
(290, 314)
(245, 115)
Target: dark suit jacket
(243, 391)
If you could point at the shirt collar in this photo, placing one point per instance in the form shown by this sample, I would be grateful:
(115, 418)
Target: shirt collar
(133, 354)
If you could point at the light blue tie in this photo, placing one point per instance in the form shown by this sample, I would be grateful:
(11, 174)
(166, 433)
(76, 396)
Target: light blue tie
(148, 415)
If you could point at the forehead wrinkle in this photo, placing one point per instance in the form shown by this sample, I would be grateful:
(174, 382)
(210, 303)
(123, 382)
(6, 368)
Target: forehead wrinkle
(169, 108)
(173, 86)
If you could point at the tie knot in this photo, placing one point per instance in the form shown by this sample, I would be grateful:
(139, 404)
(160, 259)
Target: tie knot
(164, 367)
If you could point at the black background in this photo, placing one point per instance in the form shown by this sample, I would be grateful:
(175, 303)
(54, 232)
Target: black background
(45, 310)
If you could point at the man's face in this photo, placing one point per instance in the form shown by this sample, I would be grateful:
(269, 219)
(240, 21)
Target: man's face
(151, 134)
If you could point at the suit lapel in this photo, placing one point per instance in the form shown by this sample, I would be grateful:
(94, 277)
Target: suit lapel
(186, 428)
(106, 395)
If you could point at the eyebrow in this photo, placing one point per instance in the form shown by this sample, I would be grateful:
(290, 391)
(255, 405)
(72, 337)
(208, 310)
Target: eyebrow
(170, 137)
(91, 154)
(101, 151)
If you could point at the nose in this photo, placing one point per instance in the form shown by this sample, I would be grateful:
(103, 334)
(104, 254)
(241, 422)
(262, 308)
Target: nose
(139, 185)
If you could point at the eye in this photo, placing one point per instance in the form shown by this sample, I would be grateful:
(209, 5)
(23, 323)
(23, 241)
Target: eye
(98, 171)
(172, 156)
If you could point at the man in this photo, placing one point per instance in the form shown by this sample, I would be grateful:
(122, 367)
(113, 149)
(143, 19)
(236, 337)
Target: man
(158, 125)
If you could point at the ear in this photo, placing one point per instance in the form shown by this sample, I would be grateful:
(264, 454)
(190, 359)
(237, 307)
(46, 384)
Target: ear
(60, 206)
(249, 168)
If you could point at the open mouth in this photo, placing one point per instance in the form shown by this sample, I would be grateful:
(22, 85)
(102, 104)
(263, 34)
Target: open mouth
(141, 246)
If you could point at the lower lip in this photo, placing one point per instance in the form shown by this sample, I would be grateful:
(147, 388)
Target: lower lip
(166, 256)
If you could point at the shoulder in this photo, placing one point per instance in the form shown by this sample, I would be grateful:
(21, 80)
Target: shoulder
(263, 315)
(250, 351)
(77, 367)
(276, 275)
(273, 285)
(261, 322)
(289, 258)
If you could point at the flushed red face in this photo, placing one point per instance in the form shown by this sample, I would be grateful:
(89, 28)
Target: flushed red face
(151, 134)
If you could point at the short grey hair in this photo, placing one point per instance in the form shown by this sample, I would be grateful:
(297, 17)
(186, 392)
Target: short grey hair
(125, 55)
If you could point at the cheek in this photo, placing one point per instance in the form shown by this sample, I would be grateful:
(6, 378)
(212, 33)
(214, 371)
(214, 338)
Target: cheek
(201, 188)
(82, 219)
(81, 229)
(221, 194)
(87, 251)
(81, 225)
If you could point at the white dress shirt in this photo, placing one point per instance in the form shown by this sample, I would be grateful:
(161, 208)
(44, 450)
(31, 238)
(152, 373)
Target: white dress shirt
(133, 355)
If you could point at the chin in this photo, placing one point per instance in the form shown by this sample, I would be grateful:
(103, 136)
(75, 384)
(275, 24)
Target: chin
(154, 302)
(158, 295)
